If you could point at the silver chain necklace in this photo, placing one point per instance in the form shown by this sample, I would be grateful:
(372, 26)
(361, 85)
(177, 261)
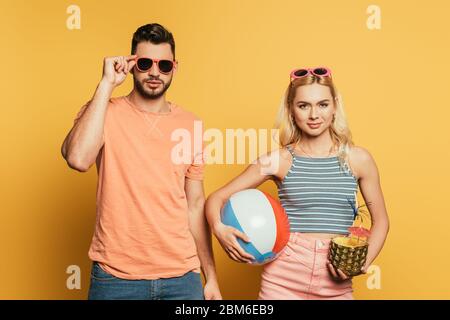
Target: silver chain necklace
(331, 148)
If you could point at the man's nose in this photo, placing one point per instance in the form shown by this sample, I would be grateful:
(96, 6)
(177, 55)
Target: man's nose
(154, 71)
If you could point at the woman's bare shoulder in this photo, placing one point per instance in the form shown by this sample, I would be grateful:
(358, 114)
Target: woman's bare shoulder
(360, 160)
(360, 152)
(275, 162)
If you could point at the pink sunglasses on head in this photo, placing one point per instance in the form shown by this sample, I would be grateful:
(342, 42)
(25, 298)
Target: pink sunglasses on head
(303, 72)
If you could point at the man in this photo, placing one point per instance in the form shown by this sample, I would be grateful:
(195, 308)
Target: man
(151, 233)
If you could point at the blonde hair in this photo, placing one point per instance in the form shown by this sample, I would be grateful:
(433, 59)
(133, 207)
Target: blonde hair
(290, 133)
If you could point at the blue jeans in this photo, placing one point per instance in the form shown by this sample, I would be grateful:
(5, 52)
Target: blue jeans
(105, 286)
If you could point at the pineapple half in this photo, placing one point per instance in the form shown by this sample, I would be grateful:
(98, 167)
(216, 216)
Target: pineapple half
(348, 254)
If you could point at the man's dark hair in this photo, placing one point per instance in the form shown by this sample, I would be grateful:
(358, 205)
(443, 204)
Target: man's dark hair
(154, 33)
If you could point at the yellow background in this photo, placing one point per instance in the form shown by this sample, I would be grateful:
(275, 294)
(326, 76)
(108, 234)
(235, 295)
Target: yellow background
(235, 57)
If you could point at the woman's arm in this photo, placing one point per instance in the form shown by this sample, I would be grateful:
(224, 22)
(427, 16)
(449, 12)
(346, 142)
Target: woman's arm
(266, 167)
(369, 184)
(364, 167)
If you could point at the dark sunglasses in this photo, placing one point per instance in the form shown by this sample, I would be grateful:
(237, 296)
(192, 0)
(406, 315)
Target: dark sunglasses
(143, 64)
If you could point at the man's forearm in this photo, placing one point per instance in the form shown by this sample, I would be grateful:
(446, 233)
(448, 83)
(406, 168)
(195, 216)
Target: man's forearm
(202, 236)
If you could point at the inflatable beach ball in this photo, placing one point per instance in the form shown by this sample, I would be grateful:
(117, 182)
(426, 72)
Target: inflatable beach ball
(262, 219)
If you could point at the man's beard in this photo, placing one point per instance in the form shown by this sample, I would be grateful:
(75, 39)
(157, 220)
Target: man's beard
(148, 93)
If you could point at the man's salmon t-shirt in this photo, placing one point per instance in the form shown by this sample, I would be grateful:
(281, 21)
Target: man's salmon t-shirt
(142, 223)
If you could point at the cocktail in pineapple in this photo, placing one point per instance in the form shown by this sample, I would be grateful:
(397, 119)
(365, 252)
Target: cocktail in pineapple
(348, 253)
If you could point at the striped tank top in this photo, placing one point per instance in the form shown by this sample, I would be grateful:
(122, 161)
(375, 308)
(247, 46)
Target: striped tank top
(319, 196)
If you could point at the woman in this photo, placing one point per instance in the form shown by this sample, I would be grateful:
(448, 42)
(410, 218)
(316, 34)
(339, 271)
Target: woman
(318, 172)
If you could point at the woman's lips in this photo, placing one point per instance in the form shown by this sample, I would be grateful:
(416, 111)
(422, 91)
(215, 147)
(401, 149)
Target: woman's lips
(314, 125)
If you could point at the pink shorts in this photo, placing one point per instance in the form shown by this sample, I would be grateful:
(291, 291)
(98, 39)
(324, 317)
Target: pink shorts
(300, 272)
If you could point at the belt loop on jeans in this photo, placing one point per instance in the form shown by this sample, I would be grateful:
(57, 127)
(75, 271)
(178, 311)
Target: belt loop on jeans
(293, 236)
(320, 244)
